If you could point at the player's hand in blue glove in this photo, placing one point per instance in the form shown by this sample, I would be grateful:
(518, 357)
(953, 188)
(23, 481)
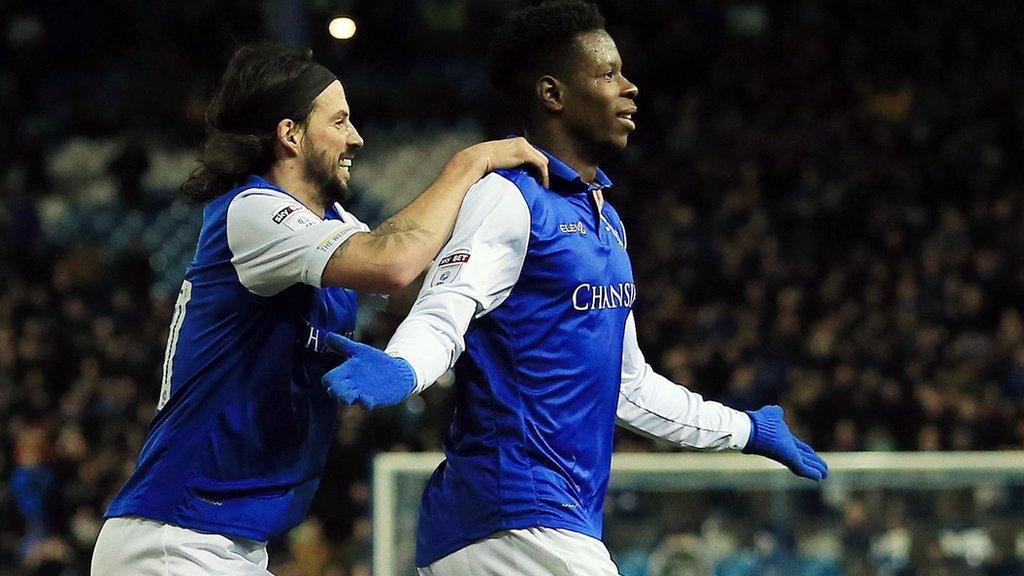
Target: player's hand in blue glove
(368, 376)
(770, 437)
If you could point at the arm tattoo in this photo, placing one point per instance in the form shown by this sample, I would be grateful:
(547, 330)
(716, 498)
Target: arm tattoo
(400, 232)
(396, 231)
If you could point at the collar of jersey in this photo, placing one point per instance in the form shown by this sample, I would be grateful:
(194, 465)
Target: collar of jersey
(333, 212)
(255, 181)
(565, 180)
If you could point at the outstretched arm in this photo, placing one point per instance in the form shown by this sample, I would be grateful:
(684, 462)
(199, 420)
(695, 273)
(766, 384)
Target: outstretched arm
(395, 253)
(276, 241)
(655, 406)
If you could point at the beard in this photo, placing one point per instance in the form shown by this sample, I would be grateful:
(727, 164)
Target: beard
(323, 173)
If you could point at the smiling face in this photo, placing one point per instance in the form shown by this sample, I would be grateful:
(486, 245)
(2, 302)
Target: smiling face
(598, 101)
(329, 143)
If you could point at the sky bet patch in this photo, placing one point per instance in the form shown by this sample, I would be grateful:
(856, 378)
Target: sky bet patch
(293, 217)
(284, 213)
(449, 266)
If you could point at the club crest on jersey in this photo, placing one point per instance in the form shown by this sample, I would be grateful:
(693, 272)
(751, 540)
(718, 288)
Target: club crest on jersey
(573, 228)
(449, 266)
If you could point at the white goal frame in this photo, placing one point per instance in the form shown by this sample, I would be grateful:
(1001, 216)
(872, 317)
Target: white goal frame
(666, 471)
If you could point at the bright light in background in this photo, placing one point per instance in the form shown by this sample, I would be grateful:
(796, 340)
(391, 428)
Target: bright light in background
(342, 28)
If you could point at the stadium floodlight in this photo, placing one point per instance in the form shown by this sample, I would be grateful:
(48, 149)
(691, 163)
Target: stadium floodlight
(342, 28)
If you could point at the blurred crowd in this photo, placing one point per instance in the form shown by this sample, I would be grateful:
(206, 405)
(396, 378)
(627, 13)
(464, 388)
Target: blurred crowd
(823, 210)
(838, 532)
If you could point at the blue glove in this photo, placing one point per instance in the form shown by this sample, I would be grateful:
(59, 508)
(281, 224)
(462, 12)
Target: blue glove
(770, 437)
(368, 376)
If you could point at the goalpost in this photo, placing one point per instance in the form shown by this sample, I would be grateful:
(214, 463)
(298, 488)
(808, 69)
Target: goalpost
(398, 479)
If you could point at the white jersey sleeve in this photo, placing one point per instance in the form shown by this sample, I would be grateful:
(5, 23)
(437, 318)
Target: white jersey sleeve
(276, 242)
(473, 274)
(652, 405)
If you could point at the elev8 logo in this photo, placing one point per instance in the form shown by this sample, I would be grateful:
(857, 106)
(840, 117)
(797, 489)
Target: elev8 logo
(573, 228)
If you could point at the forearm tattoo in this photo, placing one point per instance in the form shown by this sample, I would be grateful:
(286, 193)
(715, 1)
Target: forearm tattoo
(392, 233)
(399, 231)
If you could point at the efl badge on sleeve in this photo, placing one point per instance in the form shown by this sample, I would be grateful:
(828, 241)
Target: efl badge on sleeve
(449, 266)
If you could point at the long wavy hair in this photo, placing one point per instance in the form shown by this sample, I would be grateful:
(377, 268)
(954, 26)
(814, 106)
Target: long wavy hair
(232, 147)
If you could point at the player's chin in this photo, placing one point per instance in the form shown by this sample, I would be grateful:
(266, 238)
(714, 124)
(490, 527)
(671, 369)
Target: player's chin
(342, 185)
(337, 190)
(619, 135)
(619, 141)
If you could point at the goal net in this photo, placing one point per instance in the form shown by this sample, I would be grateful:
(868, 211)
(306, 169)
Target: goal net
(732, 515)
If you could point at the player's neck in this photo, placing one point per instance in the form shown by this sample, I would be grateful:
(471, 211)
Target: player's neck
(567, 149)
(288, 175)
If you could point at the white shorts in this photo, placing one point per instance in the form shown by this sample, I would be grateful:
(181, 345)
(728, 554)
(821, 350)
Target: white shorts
(141, 547)
(528, 552)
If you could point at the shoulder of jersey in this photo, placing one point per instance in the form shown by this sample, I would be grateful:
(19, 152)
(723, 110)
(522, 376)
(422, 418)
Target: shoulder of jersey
(519, 176)
(257, 191)
(229, 198)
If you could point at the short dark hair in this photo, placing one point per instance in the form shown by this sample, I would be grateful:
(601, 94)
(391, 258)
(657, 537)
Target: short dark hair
(233, 148)
(535, 41)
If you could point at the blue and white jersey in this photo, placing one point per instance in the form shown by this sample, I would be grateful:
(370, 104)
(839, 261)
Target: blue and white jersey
(531, 302)
(243, 424)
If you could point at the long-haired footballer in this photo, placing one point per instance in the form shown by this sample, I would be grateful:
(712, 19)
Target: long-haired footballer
(239, 441)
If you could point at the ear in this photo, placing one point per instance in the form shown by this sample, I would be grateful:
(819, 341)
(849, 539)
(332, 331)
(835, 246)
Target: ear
(550, 91)
(289, 136)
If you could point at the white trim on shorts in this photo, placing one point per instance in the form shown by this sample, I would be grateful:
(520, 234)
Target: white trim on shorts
(534, 551)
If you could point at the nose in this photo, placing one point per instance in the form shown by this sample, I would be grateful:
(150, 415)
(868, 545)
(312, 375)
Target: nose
(354, 139)
(629, 90)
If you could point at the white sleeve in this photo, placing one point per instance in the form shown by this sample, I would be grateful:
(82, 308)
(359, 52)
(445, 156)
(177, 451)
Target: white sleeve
(350, 218)
(276, 242)
(652, 405)
(474, 274)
